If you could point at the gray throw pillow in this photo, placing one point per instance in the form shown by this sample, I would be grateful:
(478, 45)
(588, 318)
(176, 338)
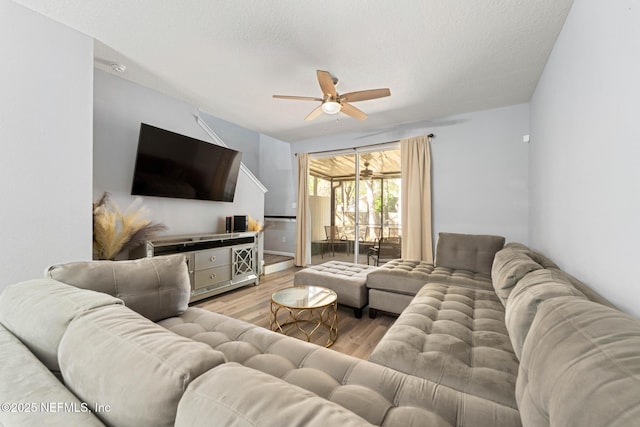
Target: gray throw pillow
(156, 288)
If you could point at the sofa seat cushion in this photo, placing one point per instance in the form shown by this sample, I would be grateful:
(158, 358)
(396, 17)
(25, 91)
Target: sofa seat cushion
(379, 395)
(472, 252)
(116, 357)
(35, 397)
(38, 312)
(463, 278)
(157, 287)
(455, 336)
(580, 366)
(402, 276)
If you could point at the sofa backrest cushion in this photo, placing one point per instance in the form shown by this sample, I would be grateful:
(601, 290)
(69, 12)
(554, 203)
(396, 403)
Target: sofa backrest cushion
(157, 287)
(472, 252)
(527, 295)
(35, 396)
(538, 257)
(39, 311)
(586, 290)
(232, 394)
(580, 366)
(114, 356)
(509, 266)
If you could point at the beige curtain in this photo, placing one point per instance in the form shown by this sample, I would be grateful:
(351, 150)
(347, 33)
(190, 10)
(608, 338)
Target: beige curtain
(416, 199)
(303, 246)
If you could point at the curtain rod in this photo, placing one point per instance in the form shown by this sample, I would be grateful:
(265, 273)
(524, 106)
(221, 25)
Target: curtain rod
(362, 146)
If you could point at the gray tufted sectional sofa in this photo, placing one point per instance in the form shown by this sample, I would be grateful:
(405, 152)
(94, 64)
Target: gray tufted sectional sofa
(537, 350)
(517, 331)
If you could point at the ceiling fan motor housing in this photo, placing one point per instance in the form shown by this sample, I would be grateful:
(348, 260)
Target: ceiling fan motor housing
(366, 173)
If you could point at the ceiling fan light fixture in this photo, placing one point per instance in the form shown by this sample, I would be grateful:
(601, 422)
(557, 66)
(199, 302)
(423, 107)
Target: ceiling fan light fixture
(331, 107)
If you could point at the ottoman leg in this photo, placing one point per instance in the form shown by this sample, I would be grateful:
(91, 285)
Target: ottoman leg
(358, 313)
(373, 313)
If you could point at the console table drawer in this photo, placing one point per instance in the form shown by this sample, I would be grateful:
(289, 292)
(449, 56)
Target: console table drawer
(212, 258)
(211, 276)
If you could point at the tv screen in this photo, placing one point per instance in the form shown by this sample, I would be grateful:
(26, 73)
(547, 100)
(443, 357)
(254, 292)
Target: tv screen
(173, 165)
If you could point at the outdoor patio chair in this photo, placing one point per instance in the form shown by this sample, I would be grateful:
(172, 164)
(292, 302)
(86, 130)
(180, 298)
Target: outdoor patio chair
(388, 248)
(333, 236)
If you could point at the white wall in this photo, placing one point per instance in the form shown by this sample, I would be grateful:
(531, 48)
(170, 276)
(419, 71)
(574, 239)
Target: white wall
(276, 173)
(479, 169)
(119, 108)
(585, 181)
(480, 174)
(45, 132)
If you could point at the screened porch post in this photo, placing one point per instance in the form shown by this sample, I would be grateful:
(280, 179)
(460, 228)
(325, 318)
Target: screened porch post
(333, 202)
(382, 200)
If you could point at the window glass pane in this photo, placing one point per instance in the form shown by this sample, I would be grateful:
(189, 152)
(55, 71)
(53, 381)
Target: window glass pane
(323, 188)
(345, 206)
(312, 185)
(391, 207)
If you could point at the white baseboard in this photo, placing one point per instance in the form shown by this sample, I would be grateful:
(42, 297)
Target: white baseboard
(281, 266)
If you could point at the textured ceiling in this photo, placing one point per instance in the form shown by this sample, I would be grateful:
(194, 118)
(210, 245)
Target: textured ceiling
(438, 57)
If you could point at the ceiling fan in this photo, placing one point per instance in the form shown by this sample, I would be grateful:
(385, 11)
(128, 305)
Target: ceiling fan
(333, 103)
(366, 172)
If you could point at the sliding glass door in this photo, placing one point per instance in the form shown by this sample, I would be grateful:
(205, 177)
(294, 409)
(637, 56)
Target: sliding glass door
(354, 202)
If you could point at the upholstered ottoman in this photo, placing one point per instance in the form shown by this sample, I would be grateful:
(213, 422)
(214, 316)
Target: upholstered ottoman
(346, 279)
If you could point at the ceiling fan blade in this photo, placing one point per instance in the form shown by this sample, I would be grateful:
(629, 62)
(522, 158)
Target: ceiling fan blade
(352, 111)
(326, 83)
(299, 98)
(364, 95)
(315, 113)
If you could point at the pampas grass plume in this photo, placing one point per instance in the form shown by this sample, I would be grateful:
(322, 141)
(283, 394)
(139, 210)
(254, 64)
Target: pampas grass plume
(115, 231)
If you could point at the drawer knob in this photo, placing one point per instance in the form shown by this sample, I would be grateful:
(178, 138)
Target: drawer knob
(213, 276)
(212, 258)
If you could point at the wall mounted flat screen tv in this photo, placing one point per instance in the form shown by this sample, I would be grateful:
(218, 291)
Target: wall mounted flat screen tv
(173, 165)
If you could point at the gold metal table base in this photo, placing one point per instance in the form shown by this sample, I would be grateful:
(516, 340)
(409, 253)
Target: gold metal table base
(296, 318)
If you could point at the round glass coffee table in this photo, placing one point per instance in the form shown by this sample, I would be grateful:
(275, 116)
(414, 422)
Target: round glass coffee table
(302, 310)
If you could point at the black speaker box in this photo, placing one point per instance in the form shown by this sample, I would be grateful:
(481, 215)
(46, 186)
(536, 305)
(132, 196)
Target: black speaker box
(240, 223)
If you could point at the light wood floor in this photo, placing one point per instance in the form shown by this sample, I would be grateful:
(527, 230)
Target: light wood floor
(356, 337)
